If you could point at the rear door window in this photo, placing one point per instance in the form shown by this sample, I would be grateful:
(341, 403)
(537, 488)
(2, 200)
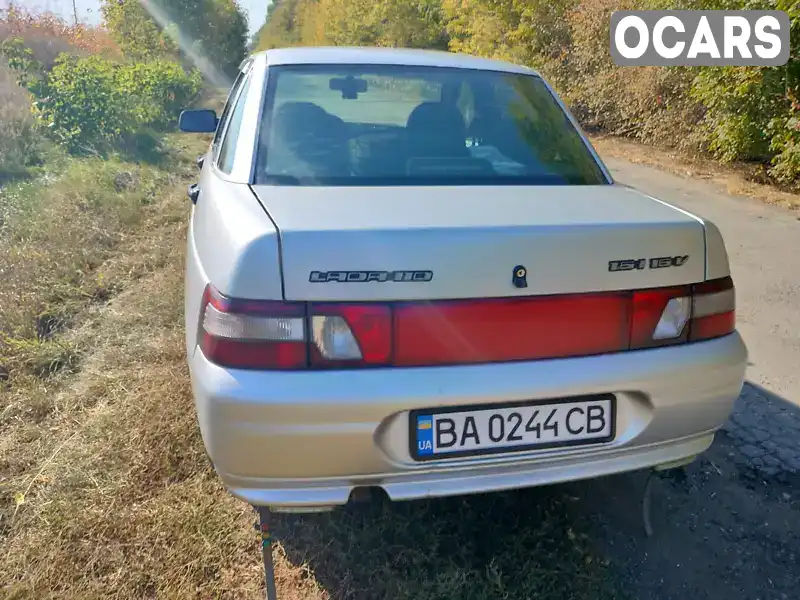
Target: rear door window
(223, 119)
(231, 135)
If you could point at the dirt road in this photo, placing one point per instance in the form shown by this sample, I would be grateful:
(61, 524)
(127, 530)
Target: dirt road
(730, 527)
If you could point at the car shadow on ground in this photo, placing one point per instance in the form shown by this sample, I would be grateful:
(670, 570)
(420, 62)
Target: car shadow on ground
(725, 527)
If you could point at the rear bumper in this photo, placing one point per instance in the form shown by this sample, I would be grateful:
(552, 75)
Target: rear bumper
(304, 440)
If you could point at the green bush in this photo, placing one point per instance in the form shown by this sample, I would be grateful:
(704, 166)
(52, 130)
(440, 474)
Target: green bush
(740, 103)
(785, 143)
(83, 104)
(753, 113)
(161, 89)
(94, 104)
(785, 128)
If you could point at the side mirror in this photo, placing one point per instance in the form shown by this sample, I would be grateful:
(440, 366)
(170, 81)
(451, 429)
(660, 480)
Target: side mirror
(198, 121)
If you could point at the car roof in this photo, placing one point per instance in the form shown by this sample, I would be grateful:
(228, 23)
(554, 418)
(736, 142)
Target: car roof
(387, 56)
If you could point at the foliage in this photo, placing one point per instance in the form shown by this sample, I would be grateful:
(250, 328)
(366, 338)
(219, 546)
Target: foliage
(393, 23)
(785, 127)
(735, 113)
(226, 39)
(532, 32)
(213, 30)
(93, 103)
(34, 41)
(137, 34)
(81, 103)
(22, 147)
(754, 112)
(20, 59)
(739, 104)
(161, 89)
(419, 24)
(282, 28)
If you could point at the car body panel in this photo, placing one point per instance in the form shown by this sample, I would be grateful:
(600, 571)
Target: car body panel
(346, 429)
(340, 55)
(717, 265)
(241, 252)
(231, 242)
(471, 238)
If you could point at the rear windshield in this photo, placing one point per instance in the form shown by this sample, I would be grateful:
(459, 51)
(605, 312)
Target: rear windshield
(337, 125)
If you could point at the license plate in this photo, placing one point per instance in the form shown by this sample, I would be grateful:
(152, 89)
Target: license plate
(474, 430)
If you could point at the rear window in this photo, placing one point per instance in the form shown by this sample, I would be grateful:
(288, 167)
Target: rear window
(337, 125)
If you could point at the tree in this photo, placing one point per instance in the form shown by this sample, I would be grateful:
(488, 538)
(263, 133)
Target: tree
(394, 23)
(224, 35)
(195, 30)
(412, 24)
(281, 27)
(530, 32)
(134, 30)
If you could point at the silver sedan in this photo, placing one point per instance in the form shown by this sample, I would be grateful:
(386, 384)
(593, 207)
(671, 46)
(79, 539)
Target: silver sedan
(410, 271)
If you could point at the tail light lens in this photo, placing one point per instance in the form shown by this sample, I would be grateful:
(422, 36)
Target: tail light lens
(660, 317)
(506, 329)
(713, 309)
(351, 334)
(250, 334)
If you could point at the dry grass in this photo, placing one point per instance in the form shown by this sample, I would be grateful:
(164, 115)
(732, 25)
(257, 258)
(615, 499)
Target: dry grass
(737, 179)
(102, 474)
(105, 490)
(21, 146)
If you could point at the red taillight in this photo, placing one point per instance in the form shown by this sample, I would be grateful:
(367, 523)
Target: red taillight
(713, 309)
(249, 334)
(479, 331)
(660, 317)
(350, 334)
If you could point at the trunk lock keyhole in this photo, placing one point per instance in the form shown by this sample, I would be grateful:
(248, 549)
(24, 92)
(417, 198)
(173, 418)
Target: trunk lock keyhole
(520, 277)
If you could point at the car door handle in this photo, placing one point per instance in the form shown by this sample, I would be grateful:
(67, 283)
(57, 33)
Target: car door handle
(193, 192)
(200, 160)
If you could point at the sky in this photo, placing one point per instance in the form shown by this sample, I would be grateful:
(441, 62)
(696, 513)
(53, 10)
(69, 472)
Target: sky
(89, 10)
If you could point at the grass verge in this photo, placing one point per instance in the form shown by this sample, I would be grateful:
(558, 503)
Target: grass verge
(105, 491)
(738, 179)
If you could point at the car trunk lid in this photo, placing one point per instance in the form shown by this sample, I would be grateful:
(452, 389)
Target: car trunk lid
(433, 243)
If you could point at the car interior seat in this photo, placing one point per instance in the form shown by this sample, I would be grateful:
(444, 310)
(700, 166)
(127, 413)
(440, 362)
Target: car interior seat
(437, 130)
(307, 140)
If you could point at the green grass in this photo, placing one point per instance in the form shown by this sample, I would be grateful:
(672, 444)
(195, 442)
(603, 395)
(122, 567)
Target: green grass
(55, 233)
(58, 236)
